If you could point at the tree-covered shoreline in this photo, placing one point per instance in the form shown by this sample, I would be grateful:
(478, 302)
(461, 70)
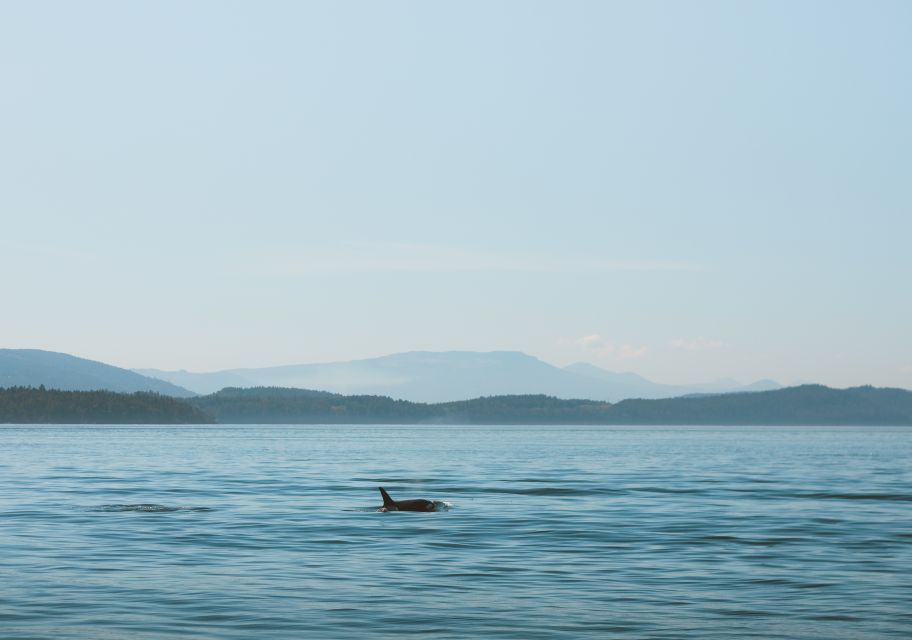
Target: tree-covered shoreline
(31, 405)
(803, 405)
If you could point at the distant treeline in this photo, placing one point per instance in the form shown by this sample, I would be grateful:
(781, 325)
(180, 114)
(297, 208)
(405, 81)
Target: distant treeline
(278, 405)
(28, 405)
(804, 405)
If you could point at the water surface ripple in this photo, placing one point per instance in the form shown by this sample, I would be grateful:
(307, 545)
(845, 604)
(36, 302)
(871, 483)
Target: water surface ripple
(630, 532)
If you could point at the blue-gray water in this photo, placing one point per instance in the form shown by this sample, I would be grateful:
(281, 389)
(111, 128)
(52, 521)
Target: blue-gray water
(270, 532)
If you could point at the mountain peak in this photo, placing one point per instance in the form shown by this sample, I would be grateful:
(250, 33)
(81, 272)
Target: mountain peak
(54, 370)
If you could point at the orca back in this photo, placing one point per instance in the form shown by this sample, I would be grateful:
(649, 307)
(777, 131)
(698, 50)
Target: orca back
(406, 505)
(388, 502)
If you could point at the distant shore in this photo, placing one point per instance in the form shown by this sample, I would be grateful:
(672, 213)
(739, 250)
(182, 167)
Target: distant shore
(806, 405)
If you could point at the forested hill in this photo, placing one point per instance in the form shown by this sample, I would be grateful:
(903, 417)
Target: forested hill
(28, 405)
(278, 405)
(804, 405)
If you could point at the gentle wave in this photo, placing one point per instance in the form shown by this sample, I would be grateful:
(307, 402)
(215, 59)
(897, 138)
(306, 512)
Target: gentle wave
(228, 533)
(144, 508)
(876, 497)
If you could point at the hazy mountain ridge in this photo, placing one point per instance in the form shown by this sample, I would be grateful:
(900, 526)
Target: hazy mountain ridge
(631, 385)
(36, 367)
(424, 376)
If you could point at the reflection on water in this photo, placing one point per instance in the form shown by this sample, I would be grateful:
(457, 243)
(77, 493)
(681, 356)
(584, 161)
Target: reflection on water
(240, 532)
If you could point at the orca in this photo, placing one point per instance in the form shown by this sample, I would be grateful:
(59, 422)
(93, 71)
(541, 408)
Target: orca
(405, 505)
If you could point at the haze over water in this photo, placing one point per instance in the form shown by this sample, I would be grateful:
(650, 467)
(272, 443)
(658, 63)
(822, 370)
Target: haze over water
(270, 531)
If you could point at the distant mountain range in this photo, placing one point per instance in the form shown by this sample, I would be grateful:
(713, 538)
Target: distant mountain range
(423, 376)
(34, 367)
(417, 376)
(501, 387)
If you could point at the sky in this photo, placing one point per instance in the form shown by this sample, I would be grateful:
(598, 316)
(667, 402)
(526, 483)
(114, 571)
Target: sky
(686, 190)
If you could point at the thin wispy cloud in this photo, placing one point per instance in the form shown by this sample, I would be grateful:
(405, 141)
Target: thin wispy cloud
(631, 352)
(435, 259)
(600, 347)
(596, 344)
(696, 344)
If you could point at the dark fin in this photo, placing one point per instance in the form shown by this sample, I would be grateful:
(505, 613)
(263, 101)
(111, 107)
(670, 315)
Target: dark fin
(387, 501)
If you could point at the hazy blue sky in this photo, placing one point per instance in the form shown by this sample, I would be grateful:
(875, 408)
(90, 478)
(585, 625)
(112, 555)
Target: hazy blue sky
(688, 190)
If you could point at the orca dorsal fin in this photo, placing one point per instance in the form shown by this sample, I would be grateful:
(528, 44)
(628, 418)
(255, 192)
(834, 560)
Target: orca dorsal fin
(387, 501)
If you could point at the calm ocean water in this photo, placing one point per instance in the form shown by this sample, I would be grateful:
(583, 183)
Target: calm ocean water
(628, 532)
